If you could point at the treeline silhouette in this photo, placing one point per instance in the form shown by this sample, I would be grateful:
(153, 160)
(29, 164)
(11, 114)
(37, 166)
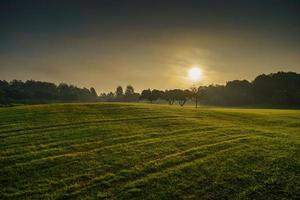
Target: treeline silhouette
(282, 88)
(43, 92)
(120, 96)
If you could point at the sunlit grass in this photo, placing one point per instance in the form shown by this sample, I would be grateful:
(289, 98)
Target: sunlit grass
(143, 151)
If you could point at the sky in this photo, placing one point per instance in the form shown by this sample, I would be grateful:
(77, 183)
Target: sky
(148, 44)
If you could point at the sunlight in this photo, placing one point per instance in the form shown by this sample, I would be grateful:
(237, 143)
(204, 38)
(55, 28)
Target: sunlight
(195, 74)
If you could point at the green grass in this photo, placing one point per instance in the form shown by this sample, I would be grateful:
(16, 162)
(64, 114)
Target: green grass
(143, 151)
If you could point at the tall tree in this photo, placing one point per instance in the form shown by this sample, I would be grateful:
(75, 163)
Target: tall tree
(195, 93)
(146, 95)
(156, 94)
(129, 91)
(93, 92)
(119, 92)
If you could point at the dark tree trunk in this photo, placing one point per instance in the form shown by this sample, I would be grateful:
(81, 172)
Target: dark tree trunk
(171, 101)
(182, 102)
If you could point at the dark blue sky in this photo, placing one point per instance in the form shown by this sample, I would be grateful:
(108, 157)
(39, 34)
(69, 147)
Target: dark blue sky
(106, 43)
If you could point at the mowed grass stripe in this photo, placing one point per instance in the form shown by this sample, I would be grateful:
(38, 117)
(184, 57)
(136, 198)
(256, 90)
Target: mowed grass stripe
(166, 162)
(53, 149)
(154, 168)
(27, 135)
(114, 143)
(151, 156)
(59, 136)
(8, 133)
(104, 134)
(89, 143)
(150, 161)
(237, 136)
(54, 134)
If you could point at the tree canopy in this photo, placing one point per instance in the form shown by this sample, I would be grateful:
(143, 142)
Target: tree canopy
(282, 88)
(42, 92)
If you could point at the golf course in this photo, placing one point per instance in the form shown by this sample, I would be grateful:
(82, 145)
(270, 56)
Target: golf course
(148, 151)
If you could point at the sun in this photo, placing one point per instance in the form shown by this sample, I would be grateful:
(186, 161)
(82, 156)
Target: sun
(195, 74)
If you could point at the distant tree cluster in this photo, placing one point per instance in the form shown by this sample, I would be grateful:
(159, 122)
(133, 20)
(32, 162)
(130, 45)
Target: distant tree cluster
(171, 96)
(282, 88)
(120, 96)
(43, 92)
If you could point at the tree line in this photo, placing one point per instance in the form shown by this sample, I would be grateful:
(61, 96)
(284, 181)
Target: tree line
(281, 88)
(129, 95)
(31, 91)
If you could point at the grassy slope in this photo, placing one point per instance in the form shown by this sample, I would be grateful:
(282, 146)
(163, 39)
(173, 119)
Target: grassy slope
(123, 151)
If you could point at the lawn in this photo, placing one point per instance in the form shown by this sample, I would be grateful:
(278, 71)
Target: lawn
(145, 151)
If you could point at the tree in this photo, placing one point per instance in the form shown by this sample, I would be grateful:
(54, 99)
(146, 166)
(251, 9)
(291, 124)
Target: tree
(183, 96)
(169, 96)
(3, 87)
(130, 95)
(93, 92)
(146, 95)
(279, 88)
(156, 94)
(129, 91)
(2, 97)
(119, 92)
(238, 92)
(195, 94)
(110, 96)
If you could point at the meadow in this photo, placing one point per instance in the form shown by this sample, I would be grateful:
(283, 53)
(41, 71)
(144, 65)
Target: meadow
(147, 151)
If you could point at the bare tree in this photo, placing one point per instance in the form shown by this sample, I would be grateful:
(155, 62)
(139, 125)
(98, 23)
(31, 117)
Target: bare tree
(195, 94)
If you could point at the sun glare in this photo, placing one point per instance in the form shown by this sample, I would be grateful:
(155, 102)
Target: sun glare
(195, 74)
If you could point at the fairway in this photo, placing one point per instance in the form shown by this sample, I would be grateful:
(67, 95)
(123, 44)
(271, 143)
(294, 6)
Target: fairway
(147, 151)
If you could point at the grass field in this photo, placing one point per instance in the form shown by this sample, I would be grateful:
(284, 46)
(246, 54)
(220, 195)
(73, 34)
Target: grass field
(143, 151)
